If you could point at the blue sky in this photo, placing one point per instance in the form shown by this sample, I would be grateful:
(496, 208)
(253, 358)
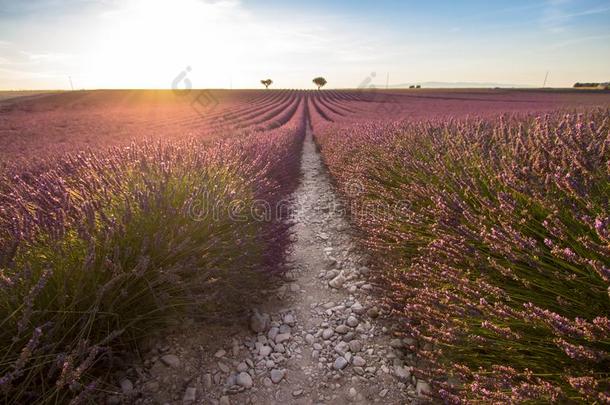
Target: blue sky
(147, 43)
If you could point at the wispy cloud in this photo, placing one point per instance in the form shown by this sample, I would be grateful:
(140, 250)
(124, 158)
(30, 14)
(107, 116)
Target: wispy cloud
(558, 14)
(578, 40)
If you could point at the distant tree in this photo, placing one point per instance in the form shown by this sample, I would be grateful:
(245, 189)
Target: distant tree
(418, 86)
(587, 84)
(412, 86)
(267, 83)
(319, 81)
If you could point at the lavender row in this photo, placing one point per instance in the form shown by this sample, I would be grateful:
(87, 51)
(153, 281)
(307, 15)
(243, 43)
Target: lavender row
(100, 248)
(498, 260)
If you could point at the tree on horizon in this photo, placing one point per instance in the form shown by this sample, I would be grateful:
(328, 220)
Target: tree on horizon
(267, 83)
(320, 82)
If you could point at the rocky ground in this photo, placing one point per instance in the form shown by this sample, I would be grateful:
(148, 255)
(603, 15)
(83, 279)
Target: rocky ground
(318, 339)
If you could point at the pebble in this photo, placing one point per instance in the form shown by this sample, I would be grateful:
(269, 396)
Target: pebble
(171, 360)
(282, 337)
(340, 363)
(223, 367)
(342, 348)
(383, 393)
(309, 338)
(297, 393)
(289, 319)
(342, 329)
(355, 346)
(242, 367)
(259, 322)
(338, 281)
(358, 361)
(190, 395)
(357, 308)
(277, 375)
(243, 379)
(220, 353)
(373, 312)
(352, 392)
(352, 321)
(422, 387)
(327, 333)
(396, 343)
(126, 386)
(265, 351)
(273, 332)
(402, 373)
(224, 400)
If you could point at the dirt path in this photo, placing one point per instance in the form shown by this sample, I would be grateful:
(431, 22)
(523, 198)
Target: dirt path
(319, 339)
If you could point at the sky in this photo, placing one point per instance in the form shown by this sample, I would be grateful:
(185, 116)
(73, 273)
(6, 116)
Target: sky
(63, 44)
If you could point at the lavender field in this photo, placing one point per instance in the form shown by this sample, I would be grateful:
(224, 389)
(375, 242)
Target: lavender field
(484, 217)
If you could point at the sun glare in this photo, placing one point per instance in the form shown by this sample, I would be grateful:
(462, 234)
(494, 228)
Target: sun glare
(149, 42)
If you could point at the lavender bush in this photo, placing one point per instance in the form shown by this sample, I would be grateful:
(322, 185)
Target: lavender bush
(492, 238)
(99, 248)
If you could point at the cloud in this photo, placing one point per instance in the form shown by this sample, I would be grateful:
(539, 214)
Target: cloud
(558, 14)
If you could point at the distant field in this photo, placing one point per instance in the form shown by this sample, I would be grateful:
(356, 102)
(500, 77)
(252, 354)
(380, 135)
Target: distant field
(70, 121)
(10, 94)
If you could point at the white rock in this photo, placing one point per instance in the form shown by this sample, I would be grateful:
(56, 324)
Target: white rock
(338, 281)
(243, 379)
(190, 395)
(282, 337)
(383, 393)
(289, 319)
(242, 367)
(309, 339)
(273, 332)
(402, 373)
(171, 360)
(277, 375)
(352, 321)
(327, 333)
(220, 353)
(355, 346)
(357, 308)
(265, 351)
(340, 363)
(342, 348)
(358, 361)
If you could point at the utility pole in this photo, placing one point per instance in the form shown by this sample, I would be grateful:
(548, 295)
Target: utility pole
(71, 85)
(545, 78)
